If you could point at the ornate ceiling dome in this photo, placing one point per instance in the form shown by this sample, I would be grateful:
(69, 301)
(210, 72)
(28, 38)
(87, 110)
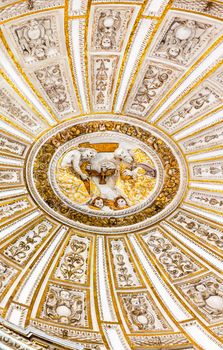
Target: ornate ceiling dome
(111, 172)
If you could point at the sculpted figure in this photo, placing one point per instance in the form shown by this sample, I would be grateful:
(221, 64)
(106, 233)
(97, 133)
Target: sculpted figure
(136, 176)
(128, 156)
(77, 158)
(97, 203)
(100, 203)
(73, 175)
(120, 203)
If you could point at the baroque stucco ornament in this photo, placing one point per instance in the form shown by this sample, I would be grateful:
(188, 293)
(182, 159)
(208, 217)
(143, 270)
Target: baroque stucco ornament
(96, 173)
(111, 174)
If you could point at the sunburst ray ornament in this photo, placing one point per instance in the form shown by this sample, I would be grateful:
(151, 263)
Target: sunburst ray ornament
(111, 173)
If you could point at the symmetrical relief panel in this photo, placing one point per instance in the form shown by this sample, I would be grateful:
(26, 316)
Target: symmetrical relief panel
(154, 80)
(18, 112)
(217, 77)
(205, 7)
(211, 235)
(39, 45)
(203, 140)
(109, 29)
(36, 39)
(54, 83)
(21, 8)
(160, 340)
(205, 294)
(183, 38)
(211, 170)
(124, 271)
(98, 173)
(11, 146)
(103, 73)
(176, 262)
(10, 209)
(110, 26)
(7, 273)
(199, 102)
(74, 264)
(37, 269)
(21, 249)
(67, 306)
(141, 313)
(10, 177)
(208, 200)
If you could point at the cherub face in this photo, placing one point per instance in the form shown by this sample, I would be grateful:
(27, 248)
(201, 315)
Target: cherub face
(99, 203)
(55, 99)
(106, 42)
(135, 302)
(89, 154)
(64, 319)
(174, 51)
(123, 154)
(191, 24)
(200, 288)
(65, 295)
(34, 24)
(40, 52)
(121, 202)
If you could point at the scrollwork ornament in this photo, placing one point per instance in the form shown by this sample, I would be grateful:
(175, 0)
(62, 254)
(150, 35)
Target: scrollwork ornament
(74, 262)
(65, 306)
(174, 261)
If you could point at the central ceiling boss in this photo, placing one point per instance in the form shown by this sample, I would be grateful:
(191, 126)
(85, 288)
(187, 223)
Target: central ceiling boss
(102, 172)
